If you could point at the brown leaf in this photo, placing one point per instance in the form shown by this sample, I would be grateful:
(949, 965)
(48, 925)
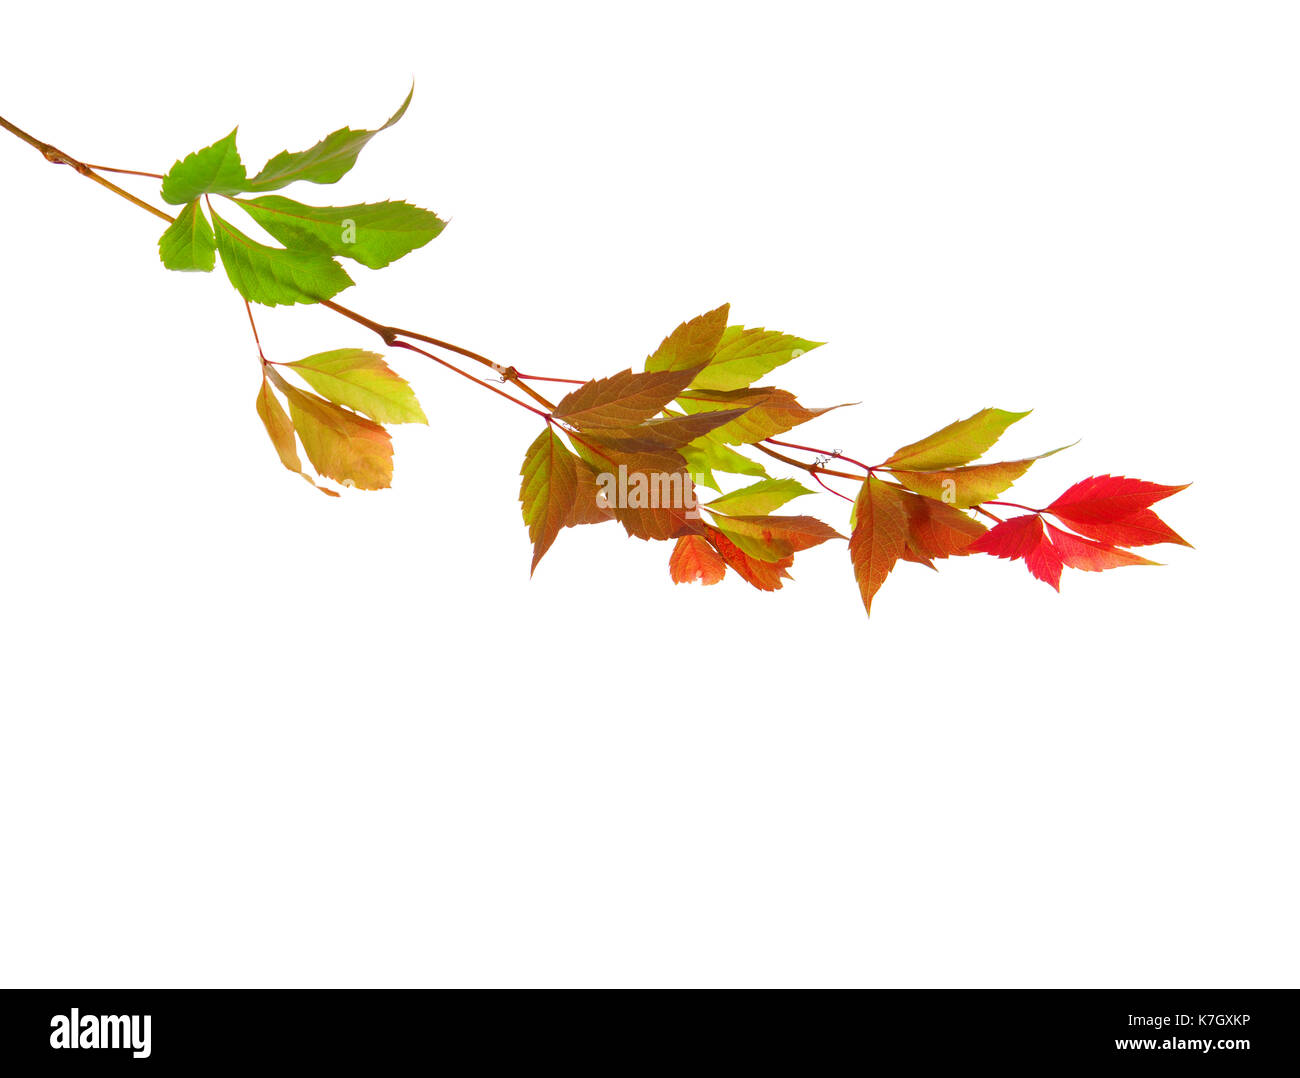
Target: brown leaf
(621, 400)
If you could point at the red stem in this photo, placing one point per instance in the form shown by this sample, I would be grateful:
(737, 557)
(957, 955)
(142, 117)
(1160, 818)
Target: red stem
(262, 355)
(827, 487)
(127, 171)
(466, 374)
(1016, 505)
(823, 453)
(544, 378)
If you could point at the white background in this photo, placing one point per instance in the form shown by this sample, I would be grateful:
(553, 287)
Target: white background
(254, 736)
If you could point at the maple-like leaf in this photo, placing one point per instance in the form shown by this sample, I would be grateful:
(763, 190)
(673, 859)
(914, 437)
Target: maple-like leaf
(768, 412)
(340, 444)
(694, 559)
(692, 344)
(622, 400)
(957, 443)
(548, 491)
(879, 538)
(362, 381)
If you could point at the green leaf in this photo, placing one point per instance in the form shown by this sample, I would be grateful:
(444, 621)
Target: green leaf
(759, 499)
(691, 344)
(188, 243)
(745, 355)
(363, 382)
(969, 485)
(373, 234)
(769, 538)
(705, 457)
(548, 492)
(216, 170)
(958, 443)
(326, 162)
(271, 275)
(750, 540)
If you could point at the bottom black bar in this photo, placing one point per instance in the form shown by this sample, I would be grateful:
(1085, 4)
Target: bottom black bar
(167, 1029)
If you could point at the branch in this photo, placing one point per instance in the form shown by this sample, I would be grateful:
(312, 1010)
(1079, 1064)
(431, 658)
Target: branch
(388, 333)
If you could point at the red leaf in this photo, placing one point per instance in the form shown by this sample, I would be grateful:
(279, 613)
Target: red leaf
(1107, 499)
(1090, 556)
(1143, 528)
(1023, 538)
(694, 559)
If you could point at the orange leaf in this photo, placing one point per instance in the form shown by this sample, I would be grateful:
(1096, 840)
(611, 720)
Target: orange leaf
(694, 559)
(879, 539)
(341, 445)
(936, 530)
